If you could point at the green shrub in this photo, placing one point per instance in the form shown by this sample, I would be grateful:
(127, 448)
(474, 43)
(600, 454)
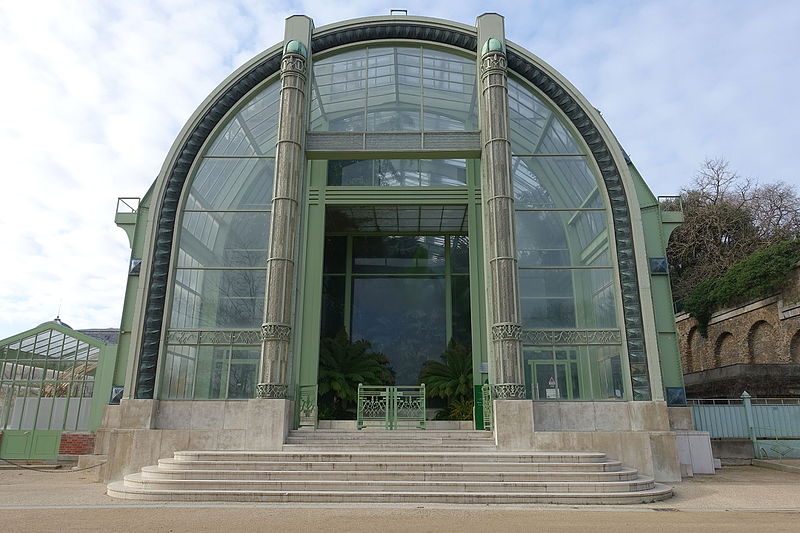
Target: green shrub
(758, 276)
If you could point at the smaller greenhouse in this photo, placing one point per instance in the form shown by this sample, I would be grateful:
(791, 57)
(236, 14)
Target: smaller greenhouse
(54, 385)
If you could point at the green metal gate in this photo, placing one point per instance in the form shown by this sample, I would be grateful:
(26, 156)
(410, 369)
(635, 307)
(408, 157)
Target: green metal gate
(391, 407)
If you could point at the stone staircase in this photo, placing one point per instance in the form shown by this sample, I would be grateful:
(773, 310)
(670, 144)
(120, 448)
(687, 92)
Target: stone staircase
(373, 466)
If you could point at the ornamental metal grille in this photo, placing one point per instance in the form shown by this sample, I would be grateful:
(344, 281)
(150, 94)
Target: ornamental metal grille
(306, 406)
(571, 337)
(391, 407)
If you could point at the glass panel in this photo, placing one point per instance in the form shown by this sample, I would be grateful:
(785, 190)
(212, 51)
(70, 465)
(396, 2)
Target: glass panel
(408, 331)
(398, 255)
(374, 173)
(398, 173)
(555, 373)
(333, 314)
(443, 172)
(561, 238)
(211, 381)
(607, 376)
(547, 313)
(224, 240)
(459, 254)
(534, 127)
(218, 298)
(588, 226)
(339, 92)
(449, 98)
(335, 255)
(462, 327)
(357, 173)
(254, 129)
(575, 298)
(394, 89)
(178, 372)
(243, 372)
(554, 183)
(232, 184)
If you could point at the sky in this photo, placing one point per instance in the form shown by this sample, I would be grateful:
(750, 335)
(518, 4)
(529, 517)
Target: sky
(95, 92)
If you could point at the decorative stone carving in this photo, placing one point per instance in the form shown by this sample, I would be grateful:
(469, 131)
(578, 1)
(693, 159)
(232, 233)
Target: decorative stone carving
(493, 61)
(293, 64)
(281, 332)
(272, 390)
(508, 391)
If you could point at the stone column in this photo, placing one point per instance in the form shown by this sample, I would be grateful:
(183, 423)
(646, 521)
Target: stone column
(498, 213)
(277, 329)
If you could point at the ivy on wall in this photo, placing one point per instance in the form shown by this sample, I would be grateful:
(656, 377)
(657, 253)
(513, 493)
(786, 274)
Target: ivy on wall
(757, 276)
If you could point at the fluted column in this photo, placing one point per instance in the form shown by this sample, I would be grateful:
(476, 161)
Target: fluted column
(277, 329)
(498, 223)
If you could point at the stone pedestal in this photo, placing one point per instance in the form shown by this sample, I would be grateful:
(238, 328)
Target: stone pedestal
(513, 425)
(267, 423)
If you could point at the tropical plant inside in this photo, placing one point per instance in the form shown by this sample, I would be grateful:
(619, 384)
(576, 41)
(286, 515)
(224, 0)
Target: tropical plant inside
(344, 364)
(451, 379)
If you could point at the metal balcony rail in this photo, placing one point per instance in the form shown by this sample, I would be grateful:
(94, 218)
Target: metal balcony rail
(670, 203)
(128, 205)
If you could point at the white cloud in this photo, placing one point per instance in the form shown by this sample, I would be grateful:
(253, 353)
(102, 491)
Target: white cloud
(95, 92)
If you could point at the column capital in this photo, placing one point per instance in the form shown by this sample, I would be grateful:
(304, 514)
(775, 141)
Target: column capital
(494, 62)
(272, 390)
(508, 391)
(293, 63)
(273, 331)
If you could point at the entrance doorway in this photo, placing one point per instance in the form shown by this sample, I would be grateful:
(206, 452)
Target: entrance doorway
(395, 293)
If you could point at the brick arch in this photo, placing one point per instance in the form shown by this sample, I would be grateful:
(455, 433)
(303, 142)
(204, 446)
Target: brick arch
(692, 350)
(761, 343)
(794, 347)
(725, 352)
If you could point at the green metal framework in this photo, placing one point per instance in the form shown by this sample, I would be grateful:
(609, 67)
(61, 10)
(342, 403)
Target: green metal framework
(52, 379)
(390, 407)
(592, 132)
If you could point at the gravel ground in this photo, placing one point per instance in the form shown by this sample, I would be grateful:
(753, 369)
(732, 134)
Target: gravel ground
(741, 498)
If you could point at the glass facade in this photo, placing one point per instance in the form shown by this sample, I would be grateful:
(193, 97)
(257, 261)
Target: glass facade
(46, 382)
(566, 278)
(220, 267)
(394, 88)
(567, 281)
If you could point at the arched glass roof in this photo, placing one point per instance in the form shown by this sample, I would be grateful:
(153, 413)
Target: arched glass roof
(394, 88)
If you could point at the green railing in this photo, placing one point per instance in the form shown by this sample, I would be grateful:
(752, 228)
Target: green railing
(771, 424)
(306, 408)
(488, 406)
(390, 407)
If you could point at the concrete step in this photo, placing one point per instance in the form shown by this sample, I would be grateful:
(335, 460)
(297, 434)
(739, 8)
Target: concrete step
(623, 474)
(368, 433)
(351, 467)
(658, 492)
(407, 465)
(387, 447)
(531, 487)
(388, 456)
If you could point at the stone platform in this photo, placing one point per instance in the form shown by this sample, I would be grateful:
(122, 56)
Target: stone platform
(458, 467)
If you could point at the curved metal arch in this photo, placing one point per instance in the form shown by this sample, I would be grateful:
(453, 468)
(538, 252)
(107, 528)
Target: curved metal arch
(421, 31)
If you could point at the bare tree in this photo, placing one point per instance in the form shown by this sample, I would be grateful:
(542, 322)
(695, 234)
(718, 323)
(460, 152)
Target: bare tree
(727, 218)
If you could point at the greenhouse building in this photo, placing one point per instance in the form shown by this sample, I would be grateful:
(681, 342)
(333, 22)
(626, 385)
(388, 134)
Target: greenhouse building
(395, 231)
